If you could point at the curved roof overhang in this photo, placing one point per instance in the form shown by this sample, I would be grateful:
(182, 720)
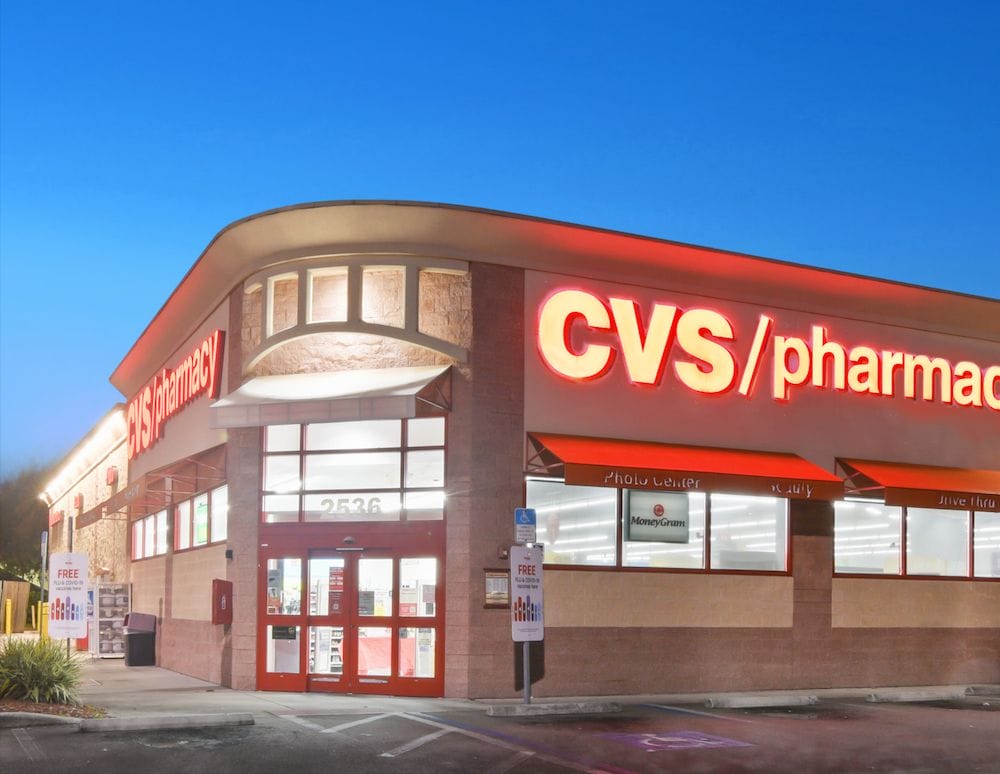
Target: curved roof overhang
(445, 231)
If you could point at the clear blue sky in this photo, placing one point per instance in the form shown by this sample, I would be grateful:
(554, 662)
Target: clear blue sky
(858, 136)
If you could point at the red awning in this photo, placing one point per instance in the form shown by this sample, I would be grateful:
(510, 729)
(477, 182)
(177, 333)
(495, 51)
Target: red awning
(924, 486)
(162, 487)
(646, 465)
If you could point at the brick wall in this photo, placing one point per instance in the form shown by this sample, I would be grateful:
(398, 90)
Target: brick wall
(243, 465)
(809, 651)
(485, 461)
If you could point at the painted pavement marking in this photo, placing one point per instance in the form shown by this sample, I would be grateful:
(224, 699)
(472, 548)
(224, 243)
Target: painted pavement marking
(405, 748)
(675, 740)
(302, 722)
(522, 751)
(369, 719)
(506, 765)
(32, 750)
(512, 743)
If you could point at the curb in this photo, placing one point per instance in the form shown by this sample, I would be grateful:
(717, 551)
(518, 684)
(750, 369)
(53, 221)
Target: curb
(983, 690)
(927, 694)
(165, 723)
(26, 719)
(564, 708)
(750, 702)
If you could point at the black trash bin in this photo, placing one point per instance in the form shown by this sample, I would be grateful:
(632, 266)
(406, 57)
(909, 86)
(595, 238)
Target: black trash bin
(140, 639)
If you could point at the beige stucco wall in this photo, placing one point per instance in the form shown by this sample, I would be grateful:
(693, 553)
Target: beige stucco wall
(191, 589)
(884, 603)
(645, 599)
(148, 582)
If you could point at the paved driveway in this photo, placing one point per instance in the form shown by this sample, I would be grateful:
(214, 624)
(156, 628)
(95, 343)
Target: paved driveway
(841, 736)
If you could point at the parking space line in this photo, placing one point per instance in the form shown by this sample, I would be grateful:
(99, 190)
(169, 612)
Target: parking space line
(362, 721)
(509, 763)
(682, 711)
(32, 750)
(501, 740)
(302, 722)
(405, 748)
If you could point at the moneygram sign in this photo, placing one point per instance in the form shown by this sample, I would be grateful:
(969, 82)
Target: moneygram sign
(658, 517)
(198, 373)
(580, 334)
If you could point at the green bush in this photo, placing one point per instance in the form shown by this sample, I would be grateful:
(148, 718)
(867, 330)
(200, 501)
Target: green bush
(38, 670)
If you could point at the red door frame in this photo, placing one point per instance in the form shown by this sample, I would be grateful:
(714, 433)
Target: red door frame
(395, 540)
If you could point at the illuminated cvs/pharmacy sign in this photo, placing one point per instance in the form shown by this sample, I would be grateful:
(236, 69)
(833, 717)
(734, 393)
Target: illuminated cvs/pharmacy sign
(580, 336)
(199, 373)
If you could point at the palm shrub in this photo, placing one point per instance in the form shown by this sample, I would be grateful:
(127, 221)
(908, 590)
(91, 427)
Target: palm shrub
(38, 670)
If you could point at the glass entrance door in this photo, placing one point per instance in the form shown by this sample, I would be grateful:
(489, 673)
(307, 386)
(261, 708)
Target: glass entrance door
(355, 621)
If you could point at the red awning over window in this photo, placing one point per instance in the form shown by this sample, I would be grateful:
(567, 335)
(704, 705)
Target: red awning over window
(924, 486)
(646, 465)
(162, 487)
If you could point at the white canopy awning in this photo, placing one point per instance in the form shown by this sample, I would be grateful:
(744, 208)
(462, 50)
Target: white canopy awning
(388, 393)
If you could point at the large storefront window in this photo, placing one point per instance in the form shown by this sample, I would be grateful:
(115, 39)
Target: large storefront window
(869, 538)
(576, 524)
(986, 543)
(748, 533)
(937, 542)
(149, 536)
(202, 520)
(579, 525)
(373, 470)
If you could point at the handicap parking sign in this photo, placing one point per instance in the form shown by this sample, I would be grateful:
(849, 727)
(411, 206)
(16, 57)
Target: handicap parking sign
(525, 522)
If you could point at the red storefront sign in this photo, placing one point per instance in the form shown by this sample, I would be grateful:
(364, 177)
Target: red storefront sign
(200, 372)
(580, 335)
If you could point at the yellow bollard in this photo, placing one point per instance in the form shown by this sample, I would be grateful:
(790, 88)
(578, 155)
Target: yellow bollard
(8, 616)
(43, 629)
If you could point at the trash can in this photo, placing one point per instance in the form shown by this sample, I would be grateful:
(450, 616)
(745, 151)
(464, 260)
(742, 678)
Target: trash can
(140, 639)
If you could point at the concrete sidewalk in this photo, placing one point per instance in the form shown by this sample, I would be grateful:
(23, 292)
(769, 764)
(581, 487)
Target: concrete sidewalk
(136, 691)
(153, 697)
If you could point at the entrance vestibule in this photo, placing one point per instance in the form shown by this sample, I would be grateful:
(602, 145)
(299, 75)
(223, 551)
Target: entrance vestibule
(366, 616)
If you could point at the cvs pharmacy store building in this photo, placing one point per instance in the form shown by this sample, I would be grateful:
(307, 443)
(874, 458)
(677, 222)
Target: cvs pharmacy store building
(748, 474)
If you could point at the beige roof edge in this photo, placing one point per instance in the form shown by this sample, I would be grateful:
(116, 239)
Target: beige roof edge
(479, 235)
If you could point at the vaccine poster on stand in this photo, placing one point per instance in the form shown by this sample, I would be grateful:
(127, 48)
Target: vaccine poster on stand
(68, 595)
(526, 610)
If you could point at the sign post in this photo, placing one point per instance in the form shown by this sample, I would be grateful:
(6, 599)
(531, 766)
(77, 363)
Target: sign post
(68, 575)
(527, 620)
(45, 564)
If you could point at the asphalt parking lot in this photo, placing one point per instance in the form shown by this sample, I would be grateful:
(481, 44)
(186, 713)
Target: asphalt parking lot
(955, 735)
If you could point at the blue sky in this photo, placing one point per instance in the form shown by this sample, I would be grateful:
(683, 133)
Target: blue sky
(858, 136)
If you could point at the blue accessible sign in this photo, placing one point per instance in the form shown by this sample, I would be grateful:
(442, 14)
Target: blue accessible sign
(525, 525)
